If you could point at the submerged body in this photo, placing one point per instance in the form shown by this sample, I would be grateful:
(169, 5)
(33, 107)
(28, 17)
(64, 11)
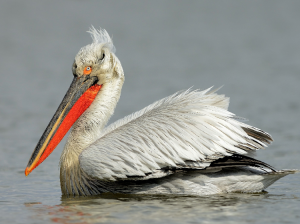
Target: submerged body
(187, 143)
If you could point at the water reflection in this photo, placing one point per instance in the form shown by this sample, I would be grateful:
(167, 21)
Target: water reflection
(118, 208)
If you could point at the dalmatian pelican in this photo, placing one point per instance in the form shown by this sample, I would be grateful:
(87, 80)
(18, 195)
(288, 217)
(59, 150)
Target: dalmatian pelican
(187, 143)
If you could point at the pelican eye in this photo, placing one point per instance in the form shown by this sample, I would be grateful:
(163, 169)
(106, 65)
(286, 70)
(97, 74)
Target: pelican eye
(87, 70)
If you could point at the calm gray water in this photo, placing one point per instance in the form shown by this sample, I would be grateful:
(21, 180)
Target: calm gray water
(250, 47)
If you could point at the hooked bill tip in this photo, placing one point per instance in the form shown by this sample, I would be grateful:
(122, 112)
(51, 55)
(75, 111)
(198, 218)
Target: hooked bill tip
(27, 171)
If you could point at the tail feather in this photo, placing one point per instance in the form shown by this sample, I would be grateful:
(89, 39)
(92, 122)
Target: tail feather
(284, 172)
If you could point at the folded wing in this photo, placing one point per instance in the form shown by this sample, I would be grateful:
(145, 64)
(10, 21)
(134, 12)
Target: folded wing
(187, 130)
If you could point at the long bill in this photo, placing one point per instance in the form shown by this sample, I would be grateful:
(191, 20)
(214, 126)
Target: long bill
(78, 98)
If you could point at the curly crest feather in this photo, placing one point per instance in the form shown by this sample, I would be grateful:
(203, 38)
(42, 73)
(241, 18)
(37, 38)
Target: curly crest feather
(101, 37)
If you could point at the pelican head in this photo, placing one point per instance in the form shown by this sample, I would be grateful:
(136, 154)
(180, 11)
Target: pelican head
(94, 67)
(98, 59)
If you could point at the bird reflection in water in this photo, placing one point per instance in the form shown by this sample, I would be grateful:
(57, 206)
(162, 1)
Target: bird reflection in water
(118, 208)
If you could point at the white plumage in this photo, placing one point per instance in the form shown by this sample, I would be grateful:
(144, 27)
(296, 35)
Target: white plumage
(187, 143)
(190, 129)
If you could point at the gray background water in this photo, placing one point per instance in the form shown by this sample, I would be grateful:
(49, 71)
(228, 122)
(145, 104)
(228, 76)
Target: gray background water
(250, 47)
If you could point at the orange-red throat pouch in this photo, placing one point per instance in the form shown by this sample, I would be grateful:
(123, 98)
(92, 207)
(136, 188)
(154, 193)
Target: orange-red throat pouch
(82, 92)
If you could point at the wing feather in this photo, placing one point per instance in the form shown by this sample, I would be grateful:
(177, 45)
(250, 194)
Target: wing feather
(190, 129)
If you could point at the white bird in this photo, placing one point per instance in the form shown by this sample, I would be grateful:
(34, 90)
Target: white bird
(187, 143)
